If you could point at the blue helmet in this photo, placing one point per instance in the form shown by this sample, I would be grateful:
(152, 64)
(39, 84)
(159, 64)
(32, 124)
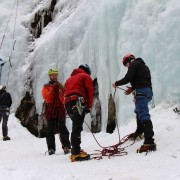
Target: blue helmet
(86, 68)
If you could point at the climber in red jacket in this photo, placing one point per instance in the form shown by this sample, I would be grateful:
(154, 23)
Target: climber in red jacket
(78, 101)
(53, 94)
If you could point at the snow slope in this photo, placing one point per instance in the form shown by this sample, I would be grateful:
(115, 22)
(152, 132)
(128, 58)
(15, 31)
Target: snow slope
(23, 157)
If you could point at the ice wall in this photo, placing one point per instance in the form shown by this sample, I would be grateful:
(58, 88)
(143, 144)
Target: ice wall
(100, 33)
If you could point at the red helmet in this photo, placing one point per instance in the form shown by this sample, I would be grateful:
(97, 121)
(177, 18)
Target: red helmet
(127, 58)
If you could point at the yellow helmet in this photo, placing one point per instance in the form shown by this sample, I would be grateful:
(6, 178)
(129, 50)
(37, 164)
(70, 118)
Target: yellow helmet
(53, 71)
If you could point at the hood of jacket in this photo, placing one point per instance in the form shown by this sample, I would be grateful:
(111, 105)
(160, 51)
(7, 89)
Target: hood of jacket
(77, 71)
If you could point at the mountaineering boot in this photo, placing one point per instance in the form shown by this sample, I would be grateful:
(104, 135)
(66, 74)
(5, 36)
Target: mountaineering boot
(6, 138)
(67, 150)
(82, 156)
(51, 151)
(149, 144)
(147, 148)
(138, 134)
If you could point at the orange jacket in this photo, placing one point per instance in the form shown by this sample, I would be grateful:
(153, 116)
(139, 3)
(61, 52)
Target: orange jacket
(49, 92)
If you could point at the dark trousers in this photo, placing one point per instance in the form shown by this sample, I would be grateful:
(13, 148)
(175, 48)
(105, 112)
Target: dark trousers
(77, 126)
(54, 125)
(4, 117)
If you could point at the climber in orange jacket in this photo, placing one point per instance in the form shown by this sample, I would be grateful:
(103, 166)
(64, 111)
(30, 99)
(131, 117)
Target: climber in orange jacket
(53, 93)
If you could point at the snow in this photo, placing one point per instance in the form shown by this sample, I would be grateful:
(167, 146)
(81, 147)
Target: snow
(98, 33)
(24, 156)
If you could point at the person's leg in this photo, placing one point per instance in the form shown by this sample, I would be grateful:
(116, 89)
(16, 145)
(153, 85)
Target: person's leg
(50, 138)
(138, 134)
(142, 111)
(77, 127)
(64, 136)
(1, 116)
(4, 125)
(139, 129)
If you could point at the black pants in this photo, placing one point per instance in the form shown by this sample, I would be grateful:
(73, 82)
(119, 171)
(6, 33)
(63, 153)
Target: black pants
(4, 117)
(77, 126)
(59, 126)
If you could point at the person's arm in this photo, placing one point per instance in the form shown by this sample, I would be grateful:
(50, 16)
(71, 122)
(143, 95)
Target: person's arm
(89, 90)
(47, 94)
(128, 77)
(9, 99)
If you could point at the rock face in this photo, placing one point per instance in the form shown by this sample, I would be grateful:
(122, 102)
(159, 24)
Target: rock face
(96, 110)
(29, 118)
(111, 122)
(42, 19)
(26, 112)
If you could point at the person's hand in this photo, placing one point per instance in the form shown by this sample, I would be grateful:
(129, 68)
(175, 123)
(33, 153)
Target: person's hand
(128, 91)
(87, 110)
(55, 88)
(113, 85)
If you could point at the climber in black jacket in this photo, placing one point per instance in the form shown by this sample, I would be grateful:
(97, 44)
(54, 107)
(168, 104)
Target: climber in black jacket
(138, 75)
(5, 104)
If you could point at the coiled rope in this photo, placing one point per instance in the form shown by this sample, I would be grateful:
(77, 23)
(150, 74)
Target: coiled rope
(113, 150)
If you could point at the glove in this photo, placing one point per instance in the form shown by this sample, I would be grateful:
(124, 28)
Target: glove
(87, 110)
(128, 91)
(55, 88)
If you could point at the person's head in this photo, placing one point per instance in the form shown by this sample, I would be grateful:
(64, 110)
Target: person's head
(86, 68)
(2, 87)
(127, 59)
(53, 75)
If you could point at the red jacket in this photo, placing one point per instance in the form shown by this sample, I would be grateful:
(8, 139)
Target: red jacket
(49, 96)
(80, 83)
(53, 94)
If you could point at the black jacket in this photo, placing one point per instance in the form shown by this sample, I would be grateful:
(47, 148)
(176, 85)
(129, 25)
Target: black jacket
(138, 75)
(5, 99)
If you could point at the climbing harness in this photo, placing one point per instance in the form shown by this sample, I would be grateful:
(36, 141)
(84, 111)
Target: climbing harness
(143, 95)
(80, 105)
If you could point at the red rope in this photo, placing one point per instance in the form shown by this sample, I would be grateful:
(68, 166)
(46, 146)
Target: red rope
(114, 150)
(111, 151)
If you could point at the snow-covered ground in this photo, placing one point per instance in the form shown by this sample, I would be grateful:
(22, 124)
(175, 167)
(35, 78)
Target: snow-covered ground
(23, 158)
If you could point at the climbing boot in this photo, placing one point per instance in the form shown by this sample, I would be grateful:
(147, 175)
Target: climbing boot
(6, 138)
(67, 150)
(147, 148)
(82, 156)
(51, 151)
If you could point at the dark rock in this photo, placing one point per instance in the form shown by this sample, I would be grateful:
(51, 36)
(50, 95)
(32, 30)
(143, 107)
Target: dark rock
(111, 122)
(42, 19)
(29, 118)
(96, 109)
